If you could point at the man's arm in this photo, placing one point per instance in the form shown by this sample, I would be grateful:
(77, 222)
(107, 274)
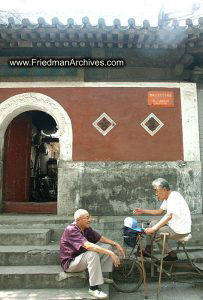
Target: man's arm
(160, 224)
(105, 240)
(93, 247)
(152, 212)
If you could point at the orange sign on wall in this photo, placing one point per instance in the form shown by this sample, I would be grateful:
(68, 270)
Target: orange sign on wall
(161, 98)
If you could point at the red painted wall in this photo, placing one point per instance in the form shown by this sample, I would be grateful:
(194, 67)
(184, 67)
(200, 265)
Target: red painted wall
(17, 149)
(128, 107)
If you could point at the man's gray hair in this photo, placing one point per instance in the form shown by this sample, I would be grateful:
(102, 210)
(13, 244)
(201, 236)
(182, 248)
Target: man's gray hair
(161, 183)
(79, 213)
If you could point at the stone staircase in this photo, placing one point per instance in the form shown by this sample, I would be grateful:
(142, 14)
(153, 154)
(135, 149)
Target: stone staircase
(29, 256)
(29, 261)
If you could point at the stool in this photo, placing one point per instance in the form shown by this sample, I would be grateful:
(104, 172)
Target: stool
(185, 239)
(181, 243)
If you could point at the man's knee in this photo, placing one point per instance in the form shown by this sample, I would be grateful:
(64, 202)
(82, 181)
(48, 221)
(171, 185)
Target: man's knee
(153, 222)
(108, 247)
(93, 255)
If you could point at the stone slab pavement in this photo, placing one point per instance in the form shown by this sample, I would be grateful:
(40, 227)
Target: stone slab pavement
(49, 294)
(45, 294)
(169, 291)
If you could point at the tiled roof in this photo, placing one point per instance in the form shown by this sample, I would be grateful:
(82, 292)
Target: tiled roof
(57, 34)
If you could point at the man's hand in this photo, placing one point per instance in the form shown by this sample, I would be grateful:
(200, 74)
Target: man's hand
(149, 230)
(105, 240)
(116, 259)
(160, 224)
(138, 211)
(121, 251)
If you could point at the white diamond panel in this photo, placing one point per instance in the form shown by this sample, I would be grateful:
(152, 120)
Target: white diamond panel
(104, 131)
(152, 132)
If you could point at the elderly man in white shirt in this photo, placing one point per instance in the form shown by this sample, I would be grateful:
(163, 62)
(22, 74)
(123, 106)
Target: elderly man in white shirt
(176, 222)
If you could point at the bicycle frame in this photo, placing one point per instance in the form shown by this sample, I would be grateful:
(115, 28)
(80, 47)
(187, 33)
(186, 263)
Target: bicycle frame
(126, 280)
(155, 262)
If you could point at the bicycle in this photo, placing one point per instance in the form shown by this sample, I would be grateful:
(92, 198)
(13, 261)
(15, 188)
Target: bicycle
(129, 276)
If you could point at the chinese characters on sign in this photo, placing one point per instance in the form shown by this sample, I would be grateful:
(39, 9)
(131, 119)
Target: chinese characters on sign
(161, 98)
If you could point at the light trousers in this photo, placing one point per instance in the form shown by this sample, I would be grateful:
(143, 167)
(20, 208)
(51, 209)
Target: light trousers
(159, 238)
(95, 263)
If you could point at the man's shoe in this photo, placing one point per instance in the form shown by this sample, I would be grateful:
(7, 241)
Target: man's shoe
(170, 258)
(108, 280)
(64, 275)
(97, 294)
(61, 276)
(146, 254)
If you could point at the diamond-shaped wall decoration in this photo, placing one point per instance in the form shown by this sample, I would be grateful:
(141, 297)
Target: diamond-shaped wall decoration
(104, 124)
(152, 124)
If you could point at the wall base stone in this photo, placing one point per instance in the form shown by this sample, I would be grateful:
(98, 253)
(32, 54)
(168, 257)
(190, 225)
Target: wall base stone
(116, 188)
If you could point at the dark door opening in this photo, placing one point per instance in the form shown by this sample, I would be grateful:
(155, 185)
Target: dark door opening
(44, 157)
(31, 152)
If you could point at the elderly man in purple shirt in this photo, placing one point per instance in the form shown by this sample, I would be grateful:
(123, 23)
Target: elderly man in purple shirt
(78, 251)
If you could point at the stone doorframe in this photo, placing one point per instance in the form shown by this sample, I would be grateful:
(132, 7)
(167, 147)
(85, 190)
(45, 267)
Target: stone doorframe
(20, 103)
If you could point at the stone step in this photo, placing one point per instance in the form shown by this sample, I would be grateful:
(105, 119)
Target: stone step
(23, 236)
(21, 219)
(37, 277)
(49, 254)
(111, 230)
(110, 226)
(49, 294)
(30, 255)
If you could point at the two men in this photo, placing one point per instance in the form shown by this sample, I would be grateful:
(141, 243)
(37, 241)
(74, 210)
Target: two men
(79, 251)
(176, 222)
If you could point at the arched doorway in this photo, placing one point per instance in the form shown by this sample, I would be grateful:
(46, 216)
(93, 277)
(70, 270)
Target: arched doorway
(30, 102)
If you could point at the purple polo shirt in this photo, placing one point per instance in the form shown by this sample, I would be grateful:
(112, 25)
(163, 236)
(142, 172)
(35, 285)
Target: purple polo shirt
(71, 243)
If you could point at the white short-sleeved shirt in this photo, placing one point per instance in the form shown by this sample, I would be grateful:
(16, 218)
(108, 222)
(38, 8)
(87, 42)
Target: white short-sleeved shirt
(181, 217)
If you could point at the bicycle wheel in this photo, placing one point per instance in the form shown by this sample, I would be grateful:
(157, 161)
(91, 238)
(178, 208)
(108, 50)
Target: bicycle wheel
(128, 276)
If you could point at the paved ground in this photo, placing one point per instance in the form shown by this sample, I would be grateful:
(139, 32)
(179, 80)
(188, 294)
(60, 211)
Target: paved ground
(168, 291)
(45, 294)
(49, 294)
